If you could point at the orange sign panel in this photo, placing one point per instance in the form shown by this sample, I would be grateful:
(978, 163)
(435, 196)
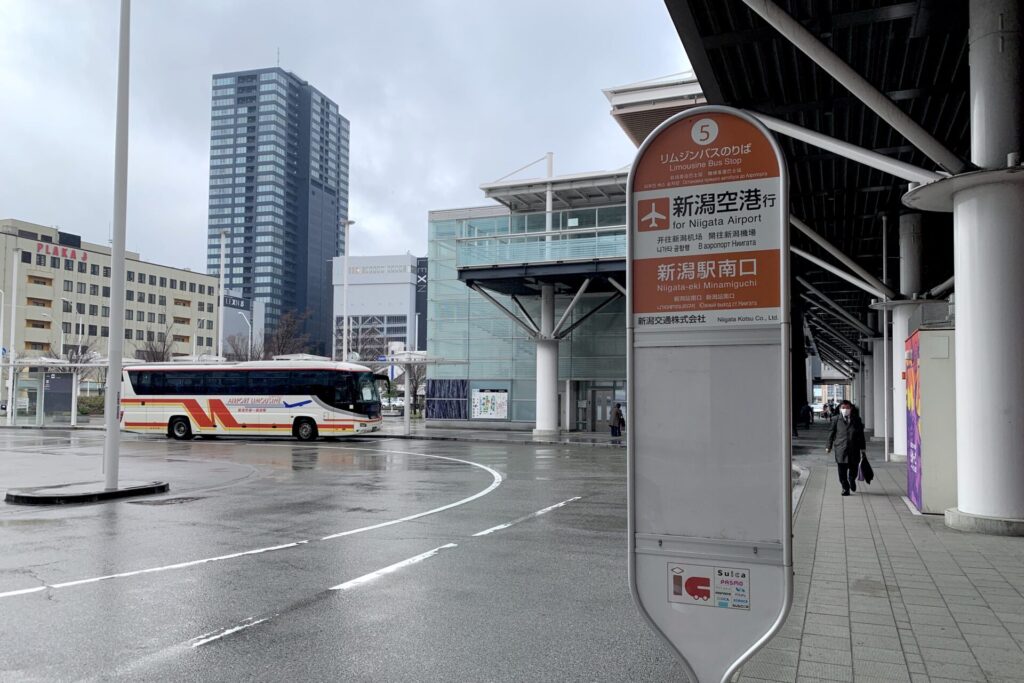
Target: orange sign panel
(707, 194)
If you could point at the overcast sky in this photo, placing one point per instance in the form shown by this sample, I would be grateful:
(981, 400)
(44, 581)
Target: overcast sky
(442, 96)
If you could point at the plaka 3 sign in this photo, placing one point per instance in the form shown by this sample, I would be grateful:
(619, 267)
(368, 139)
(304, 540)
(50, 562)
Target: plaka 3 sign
(706, 242)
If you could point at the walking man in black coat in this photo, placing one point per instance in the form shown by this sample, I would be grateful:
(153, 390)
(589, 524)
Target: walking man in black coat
(847, 438)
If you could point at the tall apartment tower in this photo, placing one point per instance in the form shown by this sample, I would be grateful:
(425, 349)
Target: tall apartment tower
(279, 154)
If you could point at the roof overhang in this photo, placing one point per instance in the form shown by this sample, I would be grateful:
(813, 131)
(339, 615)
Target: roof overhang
(579, 190)
(640, 107)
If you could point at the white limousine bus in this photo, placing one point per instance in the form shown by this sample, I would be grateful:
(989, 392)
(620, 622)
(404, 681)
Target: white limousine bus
(303, 399)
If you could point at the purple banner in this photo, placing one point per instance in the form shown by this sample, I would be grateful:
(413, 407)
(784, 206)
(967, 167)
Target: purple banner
(913, 347)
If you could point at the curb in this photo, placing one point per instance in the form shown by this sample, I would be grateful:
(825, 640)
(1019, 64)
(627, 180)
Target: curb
(52, 495)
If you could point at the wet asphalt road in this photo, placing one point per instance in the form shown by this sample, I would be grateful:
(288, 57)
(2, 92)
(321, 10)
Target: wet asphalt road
(229, 576)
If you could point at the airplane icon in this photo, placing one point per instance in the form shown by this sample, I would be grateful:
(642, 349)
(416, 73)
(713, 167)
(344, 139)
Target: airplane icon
(655, 219)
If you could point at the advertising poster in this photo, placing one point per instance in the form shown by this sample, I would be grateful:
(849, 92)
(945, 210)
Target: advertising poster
(489, 404)
(913, 347)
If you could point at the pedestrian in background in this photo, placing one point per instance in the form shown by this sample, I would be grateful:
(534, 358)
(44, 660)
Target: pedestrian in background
(846, 436)
(617, 421)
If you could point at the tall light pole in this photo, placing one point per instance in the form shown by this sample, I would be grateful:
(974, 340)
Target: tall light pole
(12, 355)
(344, 295)
(111, 403)
(220, 301)
(249, 325)
(70, 303)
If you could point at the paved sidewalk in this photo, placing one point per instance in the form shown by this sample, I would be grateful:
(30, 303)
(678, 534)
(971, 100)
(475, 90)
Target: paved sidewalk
(393, 428)
(885, 595)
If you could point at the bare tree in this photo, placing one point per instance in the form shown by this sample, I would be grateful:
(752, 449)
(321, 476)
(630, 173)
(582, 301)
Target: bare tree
(287, 336)
(366, 337)
(417, 377)
(158, 345)
(238, 348)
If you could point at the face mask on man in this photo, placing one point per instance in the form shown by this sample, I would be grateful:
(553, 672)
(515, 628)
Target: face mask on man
(845, 412)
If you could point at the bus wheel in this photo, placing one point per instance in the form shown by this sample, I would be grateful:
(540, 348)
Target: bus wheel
(305, 429)
(179, 428)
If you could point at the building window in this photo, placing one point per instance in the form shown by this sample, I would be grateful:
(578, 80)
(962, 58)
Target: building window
(202, 307)
(65, 328)
(183, 285)
(131, 276)
(202, 289)
(140, 296)
(106, 292)
(69, 286)
(209, 341)
(127, 333)
(151, 298)
(129, 314)
(94, 309)
(69, 264)
(92, 330)
(106, 271)
(54, 262)
(140, 315)
(174, 284)
(192, 287)
(161, 319)
(152, 280)
(94, 269)
(67, 306)
(104, 331)
(142, 278)
(80, 308)
(81, 288)
(82, 266)
(151, 317)
(94, 290)
(160, 337)
(129, 295)
(105, 311)
(40, 259)
(163, 282)
(150, 335)
(26, 257)
(162, 300)
(139, 335)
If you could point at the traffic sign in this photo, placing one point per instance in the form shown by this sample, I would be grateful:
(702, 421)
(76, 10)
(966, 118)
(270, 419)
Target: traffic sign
(709, 471)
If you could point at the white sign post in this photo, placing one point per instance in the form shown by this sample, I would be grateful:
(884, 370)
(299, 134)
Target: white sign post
(708, 387)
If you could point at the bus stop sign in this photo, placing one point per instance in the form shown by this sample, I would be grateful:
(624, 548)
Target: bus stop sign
(709, 472)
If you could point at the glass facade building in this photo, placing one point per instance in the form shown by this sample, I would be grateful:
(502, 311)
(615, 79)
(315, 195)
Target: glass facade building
(279, 159)
(495, 354)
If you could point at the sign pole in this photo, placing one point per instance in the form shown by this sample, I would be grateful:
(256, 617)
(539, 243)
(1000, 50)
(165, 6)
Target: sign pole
(708, 388)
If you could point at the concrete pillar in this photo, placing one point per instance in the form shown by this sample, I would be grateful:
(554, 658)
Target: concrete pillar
(989, 250)
(910, 283)
(878, 382)
(547, 367)
(867, 401)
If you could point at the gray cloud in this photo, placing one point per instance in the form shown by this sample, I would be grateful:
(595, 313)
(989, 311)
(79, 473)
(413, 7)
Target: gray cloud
(442, 96)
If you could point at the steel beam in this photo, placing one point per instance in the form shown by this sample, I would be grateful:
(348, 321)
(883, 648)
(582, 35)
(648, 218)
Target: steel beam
(570, 307)
(533, 334)
(836, 307)
(810, 232)
(886, 109)
(838, 272)
(836, 333)
(940, 289)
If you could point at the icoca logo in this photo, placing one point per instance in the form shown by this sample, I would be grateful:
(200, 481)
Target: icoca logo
(704, 131)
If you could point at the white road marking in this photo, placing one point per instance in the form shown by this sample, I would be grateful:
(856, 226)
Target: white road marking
(910, 506)
(496, 481)
(217, 635)
(372, 576)
(494, 484)
(151, 570)
(538, 513)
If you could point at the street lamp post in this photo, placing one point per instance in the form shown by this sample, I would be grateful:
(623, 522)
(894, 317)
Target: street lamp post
(70, 303)
(249, 325)
(344, 295)
(12, 355)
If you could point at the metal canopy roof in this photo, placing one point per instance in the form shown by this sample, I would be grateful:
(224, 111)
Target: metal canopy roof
(914, 52)
(579, 190)
(640, 107)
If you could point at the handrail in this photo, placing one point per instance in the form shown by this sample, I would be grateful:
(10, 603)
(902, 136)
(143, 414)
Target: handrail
(545, 233)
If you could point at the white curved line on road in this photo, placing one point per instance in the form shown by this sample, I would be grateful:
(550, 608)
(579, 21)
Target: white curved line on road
(538, 513)
(210, 637)
(497, 479)
(367, 578)
(494, 484)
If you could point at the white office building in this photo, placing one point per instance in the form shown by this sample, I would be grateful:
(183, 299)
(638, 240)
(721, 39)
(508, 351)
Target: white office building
(381, 303)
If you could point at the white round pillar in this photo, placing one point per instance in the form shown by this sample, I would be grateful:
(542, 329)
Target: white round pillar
(867, 399)
(910, 284)
(878, 378)
(547, 367)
